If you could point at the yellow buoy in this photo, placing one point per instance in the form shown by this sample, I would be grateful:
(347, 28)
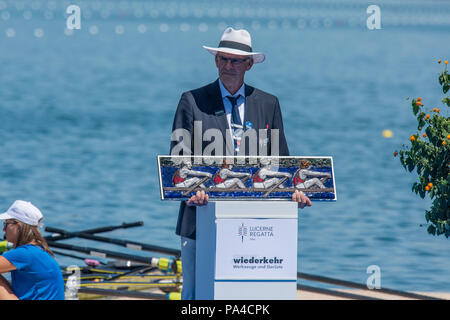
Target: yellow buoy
(387, 133)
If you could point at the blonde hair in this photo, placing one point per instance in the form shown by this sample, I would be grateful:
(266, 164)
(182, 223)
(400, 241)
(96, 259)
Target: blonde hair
(305, 164)
(29, 234)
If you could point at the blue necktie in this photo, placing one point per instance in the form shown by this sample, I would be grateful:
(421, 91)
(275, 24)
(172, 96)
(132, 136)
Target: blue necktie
(235, 116)
(236, 123)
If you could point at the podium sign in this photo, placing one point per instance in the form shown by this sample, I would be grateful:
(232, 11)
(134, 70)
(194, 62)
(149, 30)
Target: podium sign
(246, 250)
(256, 249)
(246, 235)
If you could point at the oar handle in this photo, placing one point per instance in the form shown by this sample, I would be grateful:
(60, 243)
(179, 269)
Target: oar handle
(101, 229)
(124, 225)
(56, 230)
(101, 253)
(5, 246)
(160, 263)
(124, 243)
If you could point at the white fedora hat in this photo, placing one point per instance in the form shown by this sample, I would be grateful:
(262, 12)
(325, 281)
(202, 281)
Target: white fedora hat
(237, 42)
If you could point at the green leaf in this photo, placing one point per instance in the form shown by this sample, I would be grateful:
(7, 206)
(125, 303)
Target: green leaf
(422, 192)
(415, 187)
(446, 101)
(432, 230)
(421, 124)
(410, 164)
(415, 107)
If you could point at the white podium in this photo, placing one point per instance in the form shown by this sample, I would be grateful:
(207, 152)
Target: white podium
(246, 250)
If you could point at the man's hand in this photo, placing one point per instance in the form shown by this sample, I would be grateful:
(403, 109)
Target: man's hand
(199, 199)
(301, 199)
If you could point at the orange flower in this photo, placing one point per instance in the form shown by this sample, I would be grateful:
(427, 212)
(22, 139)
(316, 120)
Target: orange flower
(446, 62)
(395, 153)
(412, 138)
(427, 188)
(444, 143)
(430, 185)
(419, 103)
(427, 117)
(438, 110)
(448, 137)
(434, 109)
(424, 135)
(419, 99)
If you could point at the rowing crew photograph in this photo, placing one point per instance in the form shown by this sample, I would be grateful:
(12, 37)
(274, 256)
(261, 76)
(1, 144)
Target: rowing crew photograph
(246, 177)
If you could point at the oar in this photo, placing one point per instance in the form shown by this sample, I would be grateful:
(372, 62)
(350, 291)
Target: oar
(195, 186)
(131, 294)
(124, 243)
(113, 275)
(102, 274)
(355, 285)
(162, 263)
(334, 293)
(98, 230)
(324, 179)
(120, 284)
(273, 188)
(141, 269)
(73, 256)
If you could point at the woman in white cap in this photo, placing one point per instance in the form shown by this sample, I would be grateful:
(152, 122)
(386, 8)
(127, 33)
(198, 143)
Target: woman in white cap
(35, 274)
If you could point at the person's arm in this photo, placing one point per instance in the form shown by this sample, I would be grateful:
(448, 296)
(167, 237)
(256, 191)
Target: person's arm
(183, 124)
(199, 173)
(5, 265)
(237, 174)
(317, 174)
(6, 292)
(278, 174)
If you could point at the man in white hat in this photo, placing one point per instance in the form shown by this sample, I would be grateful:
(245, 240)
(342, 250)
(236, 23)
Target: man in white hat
(231, 106)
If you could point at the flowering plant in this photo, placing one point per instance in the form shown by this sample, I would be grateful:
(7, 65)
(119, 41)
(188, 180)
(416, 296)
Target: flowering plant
(429, 154)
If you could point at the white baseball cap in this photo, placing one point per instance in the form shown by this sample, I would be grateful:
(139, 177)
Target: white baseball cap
(23, 211)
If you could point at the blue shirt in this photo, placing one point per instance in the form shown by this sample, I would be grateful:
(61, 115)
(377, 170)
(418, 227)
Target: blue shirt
(38, 275)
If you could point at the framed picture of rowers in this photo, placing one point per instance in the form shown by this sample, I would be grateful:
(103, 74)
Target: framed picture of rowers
(246, 178)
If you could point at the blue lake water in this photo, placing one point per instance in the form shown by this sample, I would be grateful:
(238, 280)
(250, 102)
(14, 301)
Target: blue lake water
(84, 115)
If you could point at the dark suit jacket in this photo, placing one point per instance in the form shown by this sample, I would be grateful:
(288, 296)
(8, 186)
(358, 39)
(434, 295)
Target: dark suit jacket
(205, 104)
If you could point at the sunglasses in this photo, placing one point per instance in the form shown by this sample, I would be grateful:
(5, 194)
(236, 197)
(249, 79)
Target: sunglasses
(234, 61)
(5, 224)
